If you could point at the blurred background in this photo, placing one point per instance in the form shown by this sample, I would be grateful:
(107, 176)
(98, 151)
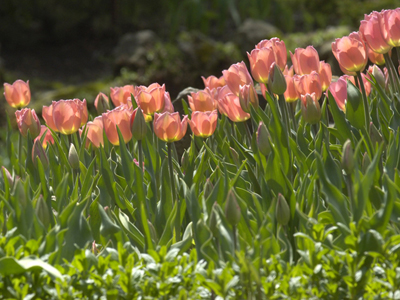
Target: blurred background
(77, 48)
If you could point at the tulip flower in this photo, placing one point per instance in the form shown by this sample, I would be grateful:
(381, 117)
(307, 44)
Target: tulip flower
(288, 71)
(39, 153)
(237, 75)
(310, 108)
(47, 114)
(279, 49)
(8, 176)
(65, 116)
(213, 82)
(203, 100)
(338, 90)
(151, 99)
(120, 95)
(48, 138)
(84, 112)
(305, 60)
(325, 75)
(18, 94)
(229, 105)
(102, 103)
(121, 117)
(167, 104)
(308, 84)
(203, 124)
(169, 127)
(290, 93)
(372, 34)
(276, 80)
(248, 96)
(378, 75)
(350, 52)
(375, 58)
(27, 119)
(260, 63)
(138, 124)
(263, 139)
(389, 25)
(94, 133)
(367, 84)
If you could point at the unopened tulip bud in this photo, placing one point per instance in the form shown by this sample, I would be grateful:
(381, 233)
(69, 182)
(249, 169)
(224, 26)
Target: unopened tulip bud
(102, 103)
(248, 96)
(235, 156)
(310, 108)
(276, 80)
(282, 211)
(139, 126)
(212, 223)
(19, 193)
(153, 233)
(375, 135)
(232, 209)
(39, 153)
(208, 187)
(348, 158)
(94, 248)
(7, 176)
(42, 211)
(379, 76)
(366, 161)
(185, 160)
(263, 139)
(73, 158)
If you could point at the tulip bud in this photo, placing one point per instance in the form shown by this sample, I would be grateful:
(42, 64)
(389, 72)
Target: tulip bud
(212, 221)
(276, 80)
(235, 156)
(185, 160)
(42, 211)
(248, 96)
(39, 153)
(153, 233)
(139, 126)
(19, 193)
(282, 211)
(379, 76)
(208, 187)
(366, 161)
(7, 176)
(73, 157)
(310, 109)
(232, 209)
(263, 139)
(375, 135)
(94, 248)
(348, 158)
(102, 103)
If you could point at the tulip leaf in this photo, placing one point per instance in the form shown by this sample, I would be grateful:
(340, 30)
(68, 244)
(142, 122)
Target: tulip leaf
(11, 266)
(355, 107)
(343, 129)
(126, 159)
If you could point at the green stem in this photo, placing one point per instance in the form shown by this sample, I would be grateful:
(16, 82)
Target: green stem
(389, 68)
(69, 140)
(285, 115)
(20, 154)
(292, 107)
(140, 155)
(350, 191)
(395, 75)
(234, 238)
(174, 196)
(365, 99)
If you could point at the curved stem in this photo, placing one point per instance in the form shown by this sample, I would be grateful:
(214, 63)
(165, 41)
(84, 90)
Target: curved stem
(19, 154)
(174, 196)
(140, 155)
(365, 99)
(389, 68)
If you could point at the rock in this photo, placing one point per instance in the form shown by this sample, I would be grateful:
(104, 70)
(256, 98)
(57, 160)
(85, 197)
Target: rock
(251, 32)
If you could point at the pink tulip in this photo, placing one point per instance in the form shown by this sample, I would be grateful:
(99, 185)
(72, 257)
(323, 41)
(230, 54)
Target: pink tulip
(237, 75)
(94, 133)
(279, 49)
(102, 103)
(260, 63)
(310, 108)
(325, 75)
(367, 84)
(375, 58)
(28, 120)
(121, 117)
(48, 138)
(305, 60)
(169, 127)
(18, 94)
(229, 105)
(390, 26)
(120, 95)
(202, 100)
(213, 82)
(67, 115)
(288, 71)
(151, 99)
(308, 84)
(203, 124)
(372, 34)
(167, 104)
(290, 93)
(338, 90)
(248, 96)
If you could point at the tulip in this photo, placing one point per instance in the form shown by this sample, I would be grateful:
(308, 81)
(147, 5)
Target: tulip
(290, 93)
(263, 139)
(276, 80)
(121, 117)
(48, 138)
(375, 58)
(310, 108)
(279, 49)
(376, 137)
(348, 158)
(282, 210)
(378, 75)
(138, 124)
(237, 75)
(28, 120)
(39, 153)
(167, 104)
(308, 84)
(325, 75)
(7, 176)
(203, 124)
(47, 114)
(338, 90)
(169, 127)
(102, 103)
(372, 34)
(232, 209)
(213, 82)
(202, 100)
(367, 84)
(389, 25)
(208, 188)
(260, 63)
(94, 133)
(73, 157)
(350, 52)
(151, 99)
(18, 94)
(229, 105)
(42, 211)
(288, 71)
(305, 60)
(248, 96)
(212, 220)
(67, 115)
(120, 95)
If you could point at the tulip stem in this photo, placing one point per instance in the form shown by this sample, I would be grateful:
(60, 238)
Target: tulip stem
(234, 238)
(174, 197)
(390, 70)
(365, 99)
(350, 191)
(20, 154)
(140, 156)
(395, 76)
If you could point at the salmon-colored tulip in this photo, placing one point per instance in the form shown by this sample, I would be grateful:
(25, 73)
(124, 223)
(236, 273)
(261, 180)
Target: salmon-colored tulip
(168, 106)
(27, 119)
(378, 75)
(48, 138)
(66, 115)
(305, 60)
(308, 84)
(248, 96)
(367, 84)
(151, 99)
(325, 74)
(279, 49)
(121, 117)
(237, 75)
(120, 95)
(203, 124)
(372, 34)
(84, 112)
(375, 58)
(202, 100)
(18, 94)
(290, 93)
(102, 103)
(350, 52)
(94, 133)
(260, 63)
(310, 108)
(229, 105)
(288, 71)
(338, 90)
(169, 127)
(390, 26)
(213, 82)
